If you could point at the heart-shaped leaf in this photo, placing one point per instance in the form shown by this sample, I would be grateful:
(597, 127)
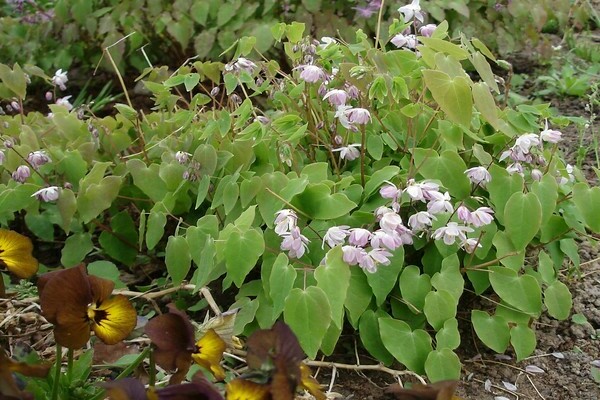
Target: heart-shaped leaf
(242, 251)
(558, 300)
(442, 365)
(317, 202)
(308, 313)
(492, 330)
(409, 347)
(522, 218)
(334, 279)
(523, 340)
(452, 94)
(414, 287)
(522, 292)
(587, 201)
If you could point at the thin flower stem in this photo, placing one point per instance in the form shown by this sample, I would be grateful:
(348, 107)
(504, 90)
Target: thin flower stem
(363, 141)
(69, 365)
(151, 370)
(57, 365)
(287, 203)
(131, 367)
(379, 17)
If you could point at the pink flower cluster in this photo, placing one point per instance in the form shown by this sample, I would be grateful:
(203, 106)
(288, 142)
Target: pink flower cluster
(528, 150)
(286, 226)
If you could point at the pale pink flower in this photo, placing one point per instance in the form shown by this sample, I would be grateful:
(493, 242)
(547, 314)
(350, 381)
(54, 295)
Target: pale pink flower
(390, 191)
(451, 232)
(421, 220)
(427, 30)
(536, 174)
(326, 41)
(21, 173)
(182, 157)
(463, 214)
(515, 168)
(390, 240)
(285, 221)
(336, 97)
(412, 10)
(341, 113)
(352, 255)
(406, 235)
(439, 203)
(359, 116)
(373, 258)
(335, 235)
(478, 175)
(422, 190)
(526, 142)
(245, 64)
(294, 243)
(470, 245)
(64, 101)
(2, 157)
(550, 135)
(349, 152)
(482, 216)
(353, 91)
(60, 78)
(381, 211)
(390, 221)
(311, 73)
(408, 41)
(38, 158)
(359, 237)
(47, 194)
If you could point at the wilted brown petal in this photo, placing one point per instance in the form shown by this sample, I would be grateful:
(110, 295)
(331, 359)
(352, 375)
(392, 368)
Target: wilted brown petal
(8, 386)
(125, 389)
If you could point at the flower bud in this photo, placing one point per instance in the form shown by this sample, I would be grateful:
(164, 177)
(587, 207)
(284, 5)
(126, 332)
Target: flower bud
(21, 173)
(215, 91)
(49, 96)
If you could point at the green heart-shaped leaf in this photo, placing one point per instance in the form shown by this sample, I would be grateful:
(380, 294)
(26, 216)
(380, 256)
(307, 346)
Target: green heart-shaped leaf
(409, 347)
(492, 330)
(522, 292)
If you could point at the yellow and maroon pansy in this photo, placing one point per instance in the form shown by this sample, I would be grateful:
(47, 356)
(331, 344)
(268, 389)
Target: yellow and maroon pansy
(77, 304)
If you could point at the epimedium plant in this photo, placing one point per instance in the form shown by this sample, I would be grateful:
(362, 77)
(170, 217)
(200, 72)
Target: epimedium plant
(371, 186)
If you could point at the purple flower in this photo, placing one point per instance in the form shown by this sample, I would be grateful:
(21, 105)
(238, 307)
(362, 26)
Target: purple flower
(451, 232)
(400, 40)
(335, 235)
(341, 113)
(47, 194)
(49, 96)
(412, 10)
(353, 92)
(285, 221)
(478, 175)
(359, 237)
(482, 216)
(352, 255)
(60, 78)
(262, 119)
(38, 158)
(439, 203)
(515, 168)
(406, 235)
(182, 157)
(294, 243)
(21, 174)
(427, 30)
(359, 116)
(390, 240)
(336, 97)
(421, 220)
(311, 73)
(349, 152)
